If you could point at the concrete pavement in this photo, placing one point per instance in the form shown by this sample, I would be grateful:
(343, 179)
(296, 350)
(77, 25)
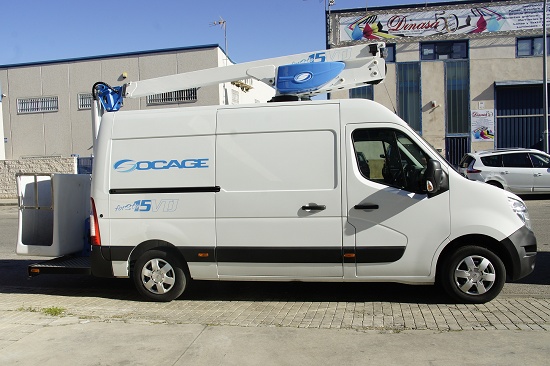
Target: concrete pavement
(116, 328)
(32, 338)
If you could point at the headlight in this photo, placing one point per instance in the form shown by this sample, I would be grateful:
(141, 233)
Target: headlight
(521, 210)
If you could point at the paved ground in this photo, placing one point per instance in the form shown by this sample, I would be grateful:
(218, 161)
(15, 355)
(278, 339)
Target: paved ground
(43, 340)
(525, 314)
(82, 320)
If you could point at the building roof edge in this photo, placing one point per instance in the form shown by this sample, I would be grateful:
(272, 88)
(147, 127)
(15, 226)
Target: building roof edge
(114, 55)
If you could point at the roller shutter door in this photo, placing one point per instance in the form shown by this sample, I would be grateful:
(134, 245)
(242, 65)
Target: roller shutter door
(520, 116)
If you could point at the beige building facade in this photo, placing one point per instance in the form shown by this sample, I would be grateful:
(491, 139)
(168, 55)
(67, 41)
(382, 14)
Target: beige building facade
(467, 75)
(46, 106)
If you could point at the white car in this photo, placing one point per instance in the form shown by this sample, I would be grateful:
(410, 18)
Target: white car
(521, 171)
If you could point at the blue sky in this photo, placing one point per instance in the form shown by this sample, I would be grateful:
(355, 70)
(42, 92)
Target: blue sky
(43, 30)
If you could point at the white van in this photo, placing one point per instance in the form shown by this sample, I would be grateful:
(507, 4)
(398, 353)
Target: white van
(339, 190)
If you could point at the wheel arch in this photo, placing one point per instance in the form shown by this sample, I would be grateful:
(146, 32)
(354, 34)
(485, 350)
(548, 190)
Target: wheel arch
(478, 240)
(159, 245)
(495, 183)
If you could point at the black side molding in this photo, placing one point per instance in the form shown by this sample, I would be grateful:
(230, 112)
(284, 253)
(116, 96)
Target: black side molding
(165, 190)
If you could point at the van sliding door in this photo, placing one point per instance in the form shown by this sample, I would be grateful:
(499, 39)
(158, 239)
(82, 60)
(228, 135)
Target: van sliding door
(278, 212)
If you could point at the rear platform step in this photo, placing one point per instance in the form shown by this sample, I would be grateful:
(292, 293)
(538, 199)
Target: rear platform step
(61, 265)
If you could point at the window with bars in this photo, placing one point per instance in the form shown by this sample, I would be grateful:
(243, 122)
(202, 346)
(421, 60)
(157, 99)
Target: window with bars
(84, 101)
(390, 52)
(457, 81)
(450, 50)
(363, 92)
(408, 94)
(37, 105)
(532, 46)
(178, 96)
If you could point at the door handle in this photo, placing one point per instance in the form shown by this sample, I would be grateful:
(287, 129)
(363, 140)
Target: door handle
(368, 206)
(538, 174)
(314, 207)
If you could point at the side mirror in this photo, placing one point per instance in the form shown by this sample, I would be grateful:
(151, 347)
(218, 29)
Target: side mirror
(433, 177)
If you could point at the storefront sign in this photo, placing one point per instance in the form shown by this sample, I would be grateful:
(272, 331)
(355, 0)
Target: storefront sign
(469, 20)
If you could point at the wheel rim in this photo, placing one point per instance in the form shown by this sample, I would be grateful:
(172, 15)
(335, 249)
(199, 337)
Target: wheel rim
(158, 276)
(475, 275)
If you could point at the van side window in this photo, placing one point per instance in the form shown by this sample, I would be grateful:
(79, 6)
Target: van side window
(389, 157)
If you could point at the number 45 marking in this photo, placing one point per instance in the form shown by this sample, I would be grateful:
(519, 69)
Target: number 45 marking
(317, 57)
(152, 205)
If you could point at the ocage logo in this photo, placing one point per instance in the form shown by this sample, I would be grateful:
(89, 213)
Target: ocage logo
(127, 165)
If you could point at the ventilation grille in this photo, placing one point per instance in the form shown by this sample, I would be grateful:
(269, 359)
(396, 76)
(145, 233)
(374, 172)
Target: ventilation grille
(37, 105)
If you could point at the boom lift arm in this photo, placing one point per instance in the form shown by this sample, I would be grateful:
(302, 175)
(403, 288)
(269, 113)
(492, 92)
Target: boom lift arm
(298, 76)
(301, 75)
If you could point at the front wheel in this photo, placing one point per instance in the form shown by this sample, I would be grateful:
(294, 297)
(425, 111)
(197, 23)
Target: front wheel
(473, 274)
(159, 276)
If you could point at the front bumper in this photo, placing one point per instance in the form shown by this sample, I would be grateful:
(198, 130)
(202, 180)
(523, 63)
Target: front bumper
(522, 248)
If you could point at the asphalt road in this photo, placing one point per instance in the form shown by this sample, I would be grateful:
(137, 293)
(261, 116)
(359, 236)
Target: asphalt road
(15, 276)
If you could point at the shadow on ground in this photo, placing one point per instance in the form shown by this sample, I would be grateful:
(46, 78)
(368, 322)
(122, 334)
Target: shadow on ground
(534, 197)
(541, 274)
(15, 280)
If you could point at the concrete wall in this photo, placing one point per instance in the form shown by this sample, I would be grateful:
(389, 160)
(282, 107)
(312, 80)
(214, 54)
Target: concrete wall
(407, 52)
(386, 92)
(433, 118)
(68, 131)
(2, 149)
(8, 169)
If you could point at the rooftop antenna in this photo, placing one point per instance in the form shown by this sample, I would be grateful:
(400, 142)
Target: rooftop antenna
(222, 23)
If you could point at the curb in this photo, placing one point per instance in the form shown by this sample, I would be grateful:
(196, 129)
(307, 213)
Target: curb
(8, 202)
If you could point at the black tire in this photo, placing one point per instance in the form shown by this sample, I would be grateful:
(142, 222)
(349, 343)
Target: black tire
(473, 275)
(495, 184)
(158, 276)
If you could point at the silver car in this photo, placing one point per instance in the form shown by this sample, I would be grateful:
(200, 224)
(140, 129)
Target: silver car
(521, 171)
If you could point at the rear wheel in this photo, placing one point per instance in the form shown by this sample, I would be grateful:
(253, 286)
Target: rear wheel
(473, 274)
(495, 183)
(159, 276)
